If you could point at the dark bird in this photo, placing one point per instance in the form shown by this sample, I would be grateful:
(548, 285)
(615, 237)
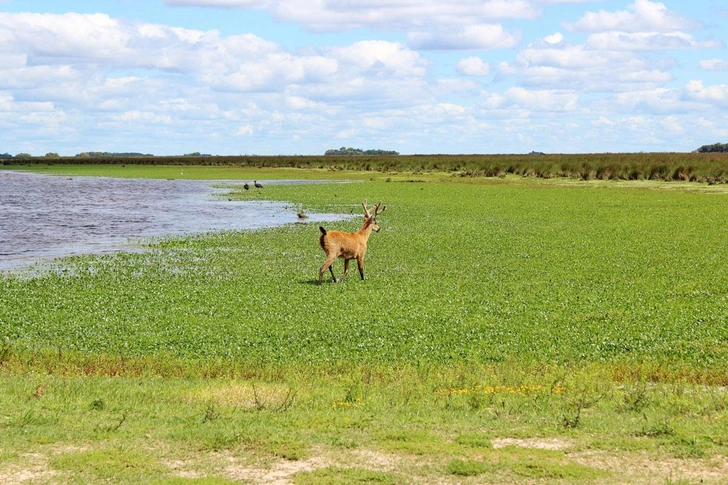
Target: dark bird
(257, 185)
(246, 186)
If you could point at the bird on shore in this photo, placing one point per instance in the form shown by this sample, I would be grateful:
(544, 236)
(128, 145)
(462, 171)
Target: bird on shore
(257, 185)
(246, 186)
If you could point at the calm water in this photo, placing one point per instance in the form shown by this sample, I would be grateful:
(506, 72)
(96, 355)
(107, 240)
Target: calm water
(43, 217)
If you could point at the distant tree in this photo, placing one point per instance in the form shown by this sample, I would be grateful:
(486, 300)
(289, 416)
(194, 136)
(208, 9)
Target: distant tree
(5, 155)
(51, 155)
(715, 147)
(113, 154)
(23, 155)
(359, 151)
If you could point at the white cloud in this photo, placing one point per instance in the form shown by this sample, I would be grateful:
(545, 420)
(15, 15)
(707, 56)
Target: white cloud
(603, 121)
(473, 66)
(380, 57)
(324, 15)
(696, 90)
(9, 105)
(470, 37)
(534, 100)
(714, 64)
(450, 109)
(586, 69)
(672, 124)
(694, 98)
(554, 38)
(88, 75)
(648, 41)
(641, 16)
(245, 130)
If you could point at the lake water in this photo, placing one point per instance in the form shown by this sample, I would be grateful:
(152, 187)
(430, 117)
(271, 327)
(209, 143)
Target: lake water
(44, 217)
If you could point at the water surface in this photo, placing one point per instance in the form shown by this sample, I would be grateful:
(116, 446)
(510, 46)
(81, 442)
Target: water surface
(44, 217)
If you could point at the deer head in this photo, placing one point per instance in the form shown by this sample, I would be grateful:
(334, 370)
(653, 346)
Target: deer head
(371, 220)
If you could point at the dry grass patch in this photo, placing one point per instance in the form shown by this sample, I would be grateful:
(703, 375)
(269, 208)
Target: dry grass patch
(246, 396)
(536, 443)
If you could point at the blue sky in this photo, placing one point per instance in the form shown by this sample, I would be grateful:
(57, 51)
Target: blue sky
(270, 77)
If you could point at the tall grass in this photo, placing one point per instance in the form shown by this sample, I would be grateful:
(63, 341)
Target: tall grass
(695, 167)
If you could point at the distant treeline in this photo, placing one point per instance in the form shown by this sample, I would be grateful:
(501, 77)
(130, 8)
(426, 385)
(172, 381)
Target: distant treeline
(711, 167)
(113, 154)
(714, 148)
(359, 151)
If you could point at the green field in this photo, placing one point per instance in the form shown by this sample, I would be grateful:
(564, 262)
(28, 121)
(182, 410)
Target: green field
(522, 312)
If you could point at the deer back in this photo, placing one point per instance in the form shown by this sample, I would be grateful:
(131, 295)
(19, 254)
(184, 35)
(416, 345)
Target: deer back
(345, 244)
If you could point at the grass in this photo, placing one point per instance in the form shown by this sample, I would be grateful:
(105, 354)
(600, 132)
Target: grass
(400, 431)
(460, 272)
(589, 315)
(695, 167)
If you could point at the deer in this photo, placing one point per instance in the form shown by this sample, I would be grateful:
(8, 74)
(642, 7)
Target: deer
(348, 245)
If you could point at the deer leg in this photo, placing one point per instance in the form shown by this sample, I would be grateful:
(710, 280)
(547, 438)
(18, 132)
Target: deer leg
(346, 269)
(327, 264)
(360, 263)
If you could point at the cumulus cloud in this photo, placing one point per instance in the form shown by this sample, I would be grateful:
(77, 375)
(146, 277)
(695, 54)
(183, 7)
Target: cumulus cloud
(324, 15)
(473, 66)
(714, 64)
(533, 100)
(380, 57)
(150, 81)
(141, 75)
(584, 68)
(554, 38)
(695, 97)
(83, 39)
(245, 130)
(648, 41)
(470, 37)
(641, 16)
(48, 46)
(717, 93)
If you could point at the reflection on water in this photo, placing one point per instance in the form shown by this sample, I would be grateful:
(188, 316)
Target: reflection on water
(45, 216)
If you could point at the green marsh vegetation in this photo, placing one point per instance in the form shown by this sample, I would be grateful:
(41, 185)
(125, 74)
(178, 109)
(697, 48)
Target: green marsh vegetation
(510, 329)
(708, 167)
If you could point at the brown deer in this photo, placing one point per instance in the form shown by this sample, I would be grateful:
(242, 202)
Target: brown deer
(348, 245)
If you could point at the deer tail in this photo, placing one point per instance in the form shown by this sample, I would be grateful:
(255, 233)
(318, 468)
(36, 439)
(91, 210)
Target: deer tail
(323, 231)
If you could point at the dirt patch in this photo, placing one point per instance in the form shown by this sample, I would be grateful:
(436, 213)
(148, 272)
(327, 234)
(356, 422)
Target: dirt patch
(647, 468)
(34, 469)
(181, 469)
(376, 460)
(279, 473)
(537, 443)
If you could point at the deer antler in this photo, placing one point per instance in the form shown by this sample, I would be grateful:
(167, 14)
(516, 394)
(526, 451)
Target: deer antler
(376, 209)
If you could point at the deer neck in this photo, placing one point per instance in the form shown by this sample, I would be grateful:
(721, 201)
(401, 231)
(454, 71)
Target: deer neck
(366, 229)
